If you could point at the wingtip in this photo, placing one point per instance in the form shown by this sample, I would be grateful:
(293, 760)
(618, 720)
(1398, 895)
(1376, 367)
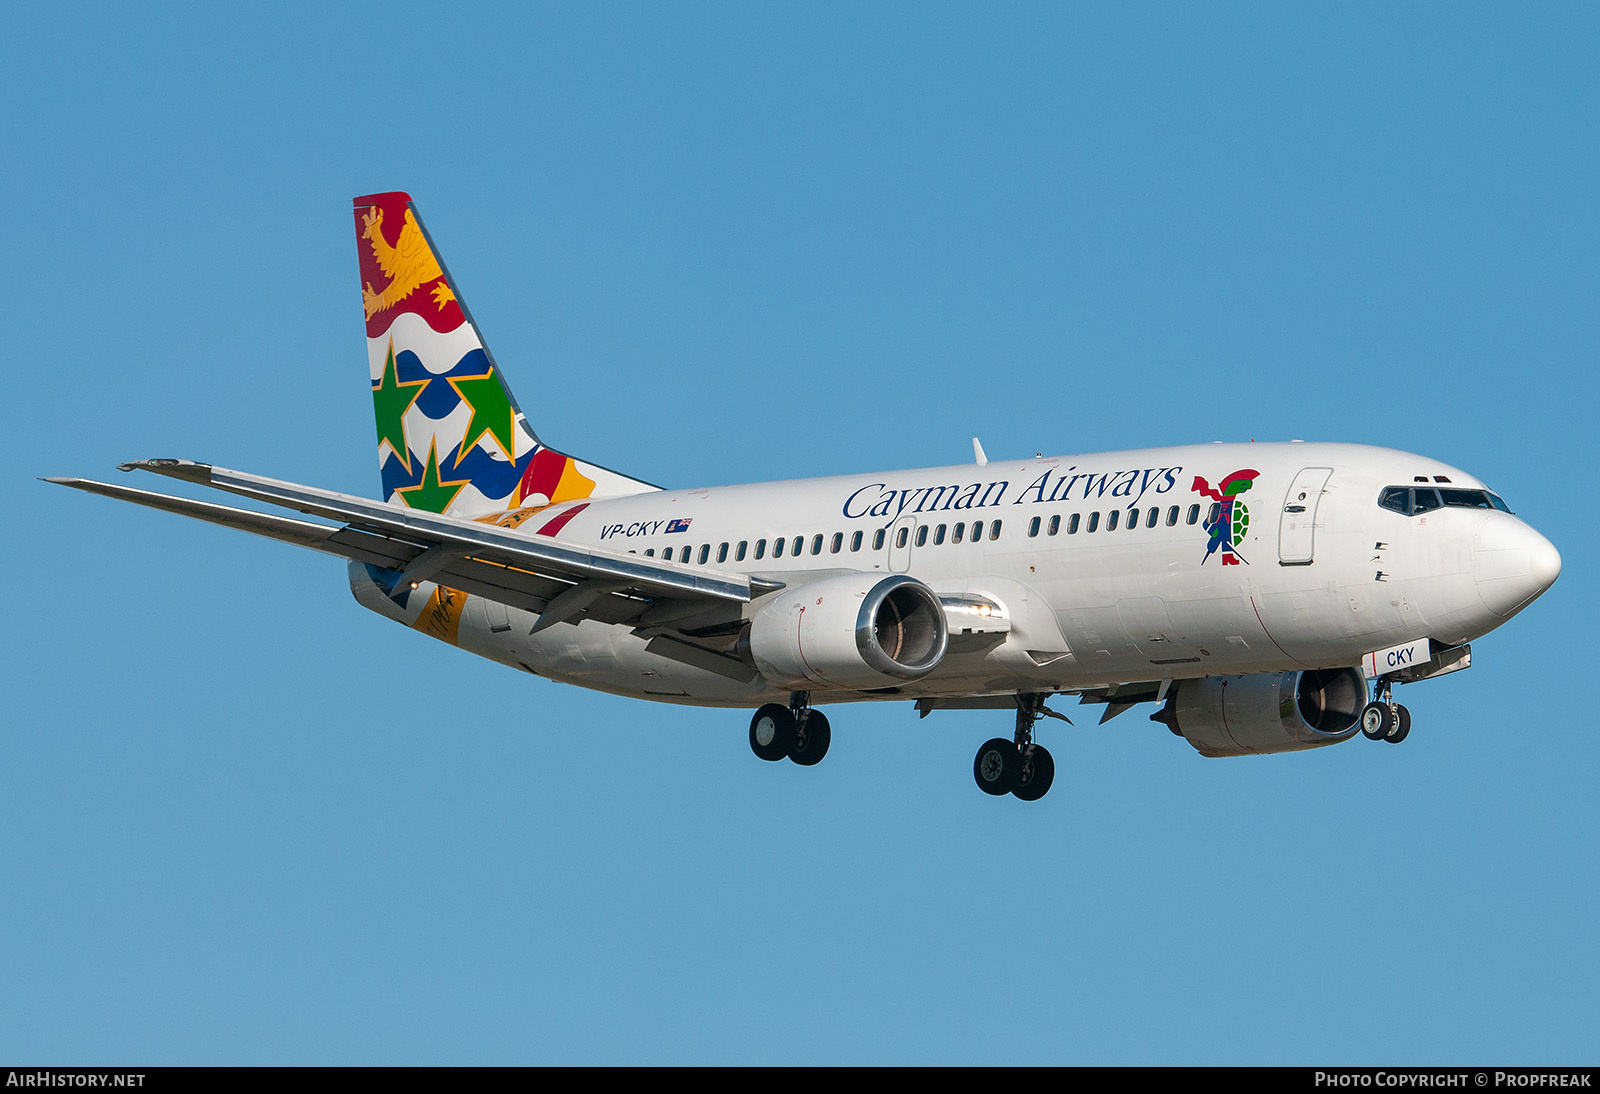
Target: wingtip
(177, 469)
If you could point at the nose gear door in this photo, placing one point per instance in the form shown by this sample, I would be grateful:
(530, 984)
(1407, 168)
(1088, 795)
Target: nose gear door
(1297, 523)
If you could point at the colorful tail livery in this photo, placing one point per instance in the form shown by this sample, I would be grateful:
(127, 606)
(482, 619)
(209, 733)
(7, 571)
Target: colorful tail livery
(451, 437)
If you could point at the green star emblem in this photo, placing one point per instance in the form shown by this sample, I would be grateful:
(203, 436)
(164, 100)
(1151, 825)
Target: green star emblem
(430, 493)
(492, 413)
(390, 401)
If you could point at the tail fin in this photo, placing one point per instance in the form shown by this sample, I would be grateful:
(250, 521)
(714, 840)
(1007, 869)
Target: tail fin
(451, 438)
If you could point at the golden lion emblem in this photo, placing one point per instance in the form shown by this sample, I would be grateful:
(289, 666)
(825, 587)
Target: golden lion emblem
(408, 265)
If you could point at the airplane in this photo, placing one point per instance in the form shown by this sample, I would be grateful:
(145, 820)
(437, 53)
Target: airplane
(1267, 596)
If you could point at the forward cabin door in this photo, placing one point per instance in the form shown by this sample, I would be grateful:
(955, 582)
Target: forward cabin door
(1297, 524)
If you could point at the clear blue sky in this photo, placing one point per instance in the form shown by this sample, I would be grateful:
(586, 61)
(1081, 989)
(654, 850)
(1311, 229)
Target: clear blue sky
(243, 820)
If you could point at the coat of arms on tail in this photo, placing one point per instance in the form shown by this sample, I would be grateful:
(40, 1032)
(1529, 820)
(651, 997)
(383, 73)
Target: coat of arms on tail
(451, 437)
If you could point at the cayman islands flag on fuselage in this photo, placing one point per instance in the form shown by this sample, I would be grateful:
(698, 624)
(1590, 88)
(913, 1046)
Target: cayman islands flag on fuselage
(451, 438)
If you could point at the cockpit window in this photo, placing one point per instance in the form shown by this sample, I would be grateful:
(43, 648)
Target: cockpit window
(1397, 498)
(1411, 500)
(1473, 499)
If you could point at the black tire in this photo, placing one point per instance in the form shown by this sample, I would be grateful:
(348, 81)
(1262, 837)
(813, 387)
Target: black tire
(1402, 718)
(772, 732)
(811, 742)
(1377, 720)
(1036, 775)
(996, 766)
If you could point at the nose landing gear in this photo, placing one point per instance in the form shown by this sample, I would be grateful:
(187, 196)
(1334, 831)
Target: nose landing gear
(1383, 719)
(1018, 767)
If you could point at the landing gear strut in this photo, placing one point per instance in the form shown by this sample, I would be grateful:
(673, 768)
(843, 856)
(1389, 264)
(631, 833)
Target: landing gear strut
(1018, 767)
(795, 731)
(1383, 719)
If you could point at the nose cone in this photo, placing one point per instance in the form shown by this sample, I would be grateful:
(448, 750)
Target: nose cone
(1545, 564)
(1511, 563)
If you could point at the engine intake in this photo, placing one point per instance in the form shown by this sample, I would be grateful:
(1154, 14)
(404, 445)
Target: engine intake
(1266, 712)
(852, 631)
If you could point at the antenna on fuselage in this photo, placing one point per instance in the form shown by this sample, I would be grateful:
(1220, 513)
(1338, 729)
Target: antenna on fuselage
(977, 453)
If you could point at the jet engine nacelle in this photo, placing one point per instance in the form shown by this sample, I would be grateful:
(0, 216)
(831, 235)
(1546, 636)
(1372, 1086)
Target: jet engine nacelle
(1266, 712)
(852, 631)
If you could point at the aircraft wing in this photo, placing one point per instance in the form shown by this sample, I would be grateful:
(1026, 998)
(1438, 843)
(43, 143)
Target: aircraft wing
(561, 581)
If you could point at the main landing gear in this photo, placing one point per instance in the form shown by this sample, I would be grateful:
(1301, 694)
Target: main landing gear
(795, 731)
(1383, 719)
(1018, 767)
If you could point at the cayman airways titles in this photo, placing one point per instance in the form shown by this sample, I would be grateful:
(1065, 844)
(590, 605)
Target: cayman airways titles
(893, 503)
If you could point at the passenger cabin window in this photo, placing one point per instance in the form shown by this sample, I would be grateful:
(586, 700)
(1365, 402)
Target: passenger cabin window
(1172, 516)
(922, 535)
(838, 543)
(761, 548)
(649, 552)
(1033, 527)
(1111, 520)
(877, 540)
(994, 530)
(1055, 525)
(855, 541)
(957, 534)
(938, 534)
(799, 542)
(738, 554)
(1194, 514)
(1133, 519)
(1094, 521)
(900, 537)
(816, 544)
(722, 552)
(1155, 515)
(705, 550)
(777, 547)
(1072, 525)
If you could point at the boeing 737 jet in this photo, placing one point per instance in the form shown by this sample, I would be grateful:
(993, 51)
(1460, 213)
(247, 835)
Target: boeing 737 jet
(1267, 596)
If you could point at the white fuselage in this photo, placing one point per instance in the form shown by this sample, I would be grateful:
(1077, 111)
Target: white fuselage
(1313, 573)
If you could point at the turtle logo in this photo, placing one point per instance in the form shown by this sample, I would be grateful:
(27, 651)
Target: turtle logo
(1229, 521)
